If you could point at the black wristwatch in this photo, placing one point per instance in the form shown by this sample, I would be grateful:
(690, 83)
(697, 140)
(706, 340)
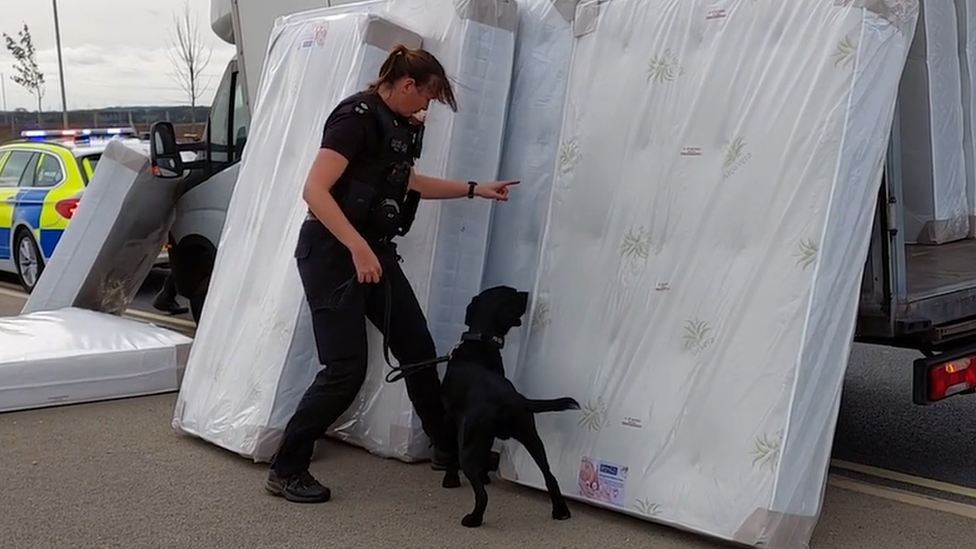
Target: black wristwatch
(471, 186)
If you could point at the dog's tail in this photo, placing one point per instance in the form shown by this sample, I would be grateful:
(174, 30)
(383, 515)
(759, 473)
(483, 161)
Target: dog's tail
(553, 405)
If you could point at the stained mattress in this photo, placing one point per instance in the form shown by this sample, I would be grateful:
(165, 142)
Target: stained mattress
(114, 237)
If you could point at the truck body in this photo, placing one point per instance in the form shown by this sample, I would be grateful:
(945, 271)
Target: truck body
(913, 296)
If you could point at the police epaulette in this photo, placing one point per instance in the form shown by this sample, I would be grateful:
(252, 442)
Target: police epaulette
(361, 108)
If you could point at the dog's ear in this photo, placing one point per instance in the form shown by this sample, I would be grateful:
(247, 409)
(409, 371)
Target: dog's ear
(523, 301)
(469, 312)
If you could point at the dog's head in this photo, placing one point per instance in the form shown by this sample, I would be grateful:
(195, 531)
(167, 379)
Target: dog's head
(497, 310)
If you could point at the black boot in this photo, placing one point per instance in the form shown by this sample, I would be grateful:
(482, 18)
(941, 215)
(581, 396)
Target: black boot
(169, 306)
(166, 298)
(300, 488)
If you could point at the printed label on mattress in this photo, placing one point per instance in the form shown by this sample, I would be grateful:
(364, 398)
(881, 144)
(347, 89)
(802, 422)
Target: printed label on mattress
(630, 421)
(691, 151)
(662, 287)
(716, 14)
(314, 38)
(602, 481)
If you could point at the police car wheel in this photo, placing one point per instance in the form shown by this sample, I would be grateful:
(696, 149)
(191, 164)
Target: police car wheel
(30, 264)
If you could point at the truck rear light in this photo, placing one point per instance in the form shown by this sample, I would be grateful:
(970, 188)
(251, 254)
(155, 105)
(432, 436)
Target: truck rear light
(66, 208)
(941, 377)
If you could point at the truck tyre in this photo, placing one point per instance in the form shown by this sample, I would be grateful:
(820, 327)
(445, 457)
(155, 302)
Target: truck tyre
(30, 263)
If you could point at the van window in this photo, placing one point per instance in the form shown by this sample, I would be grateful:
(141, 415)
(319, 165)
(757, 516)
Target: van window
(220, 119)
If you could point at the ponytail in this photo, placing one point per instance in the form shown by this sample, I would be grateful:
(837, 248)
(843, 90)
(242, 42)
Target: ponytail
(422, 67)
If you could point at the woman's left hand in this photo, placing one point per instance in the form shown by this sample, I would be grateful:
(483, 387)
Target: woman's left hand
(497, 190)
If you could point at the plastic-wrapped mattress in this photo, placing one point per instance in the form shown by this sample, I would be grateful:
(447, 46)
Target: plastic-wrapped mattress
(702, 257)
(70, 356)
(543, 50)
(966, 23)
(931, 121)
(113, 239)
(255, 353)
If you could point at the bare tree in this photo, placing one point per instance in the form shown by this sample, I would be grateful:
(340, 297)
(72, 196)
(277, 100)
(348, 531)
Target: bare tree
(29, 75)
(190, 57)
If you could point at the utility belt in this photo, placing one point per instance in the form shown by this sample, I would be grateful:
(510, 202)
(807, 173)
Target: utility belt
(378, 214)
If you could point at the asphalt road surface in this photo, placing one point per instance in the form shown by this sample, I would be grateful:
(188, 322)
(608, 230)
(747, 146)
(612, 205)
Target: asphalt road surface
(115, 474)
(878, 425)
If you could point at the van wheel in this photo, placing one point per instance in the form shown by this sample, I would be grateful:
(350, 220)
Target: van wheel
(197, 299)
(30, 263)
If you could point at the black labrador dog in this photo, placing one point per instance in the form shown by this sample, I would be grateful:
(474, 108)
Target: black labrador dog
(482, 404)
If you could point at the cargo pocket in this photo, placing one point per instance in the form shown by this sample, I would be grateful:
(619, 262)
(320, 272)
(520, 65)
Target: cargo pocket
(328, 275)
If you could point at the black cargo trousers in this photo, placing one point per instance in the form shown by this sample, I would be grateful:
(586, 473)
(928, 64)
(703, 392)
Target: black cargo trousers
(340, 306)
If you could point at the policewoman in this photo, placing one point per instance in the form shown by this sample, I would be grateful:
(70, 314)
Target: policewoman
(361, 193)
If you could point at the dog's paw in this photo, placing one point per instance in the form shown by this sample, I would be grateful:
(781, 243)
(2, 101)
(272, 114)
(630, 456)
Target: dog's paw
(471, 521)
(451, 481)
(561, 513)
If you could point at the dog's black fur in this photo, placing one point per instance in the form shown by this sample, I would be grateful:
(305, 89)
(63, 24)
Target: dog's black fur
(482, 404)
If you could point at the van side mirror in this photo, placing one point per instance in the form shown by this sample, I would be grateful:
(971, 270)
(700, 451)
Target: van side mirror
(164, 154)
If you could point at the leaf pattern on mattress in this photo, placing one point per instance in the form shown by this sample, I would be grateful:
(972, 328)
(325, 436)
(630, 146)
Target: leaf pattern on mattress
(569, 150)
(806, 253)
(765, 452)
(697, 337)
(540, 317)
(735, 156)
(636, 243)
(647, 508)
(846, 51)
(593, 415)
(568, 155)
(664, 68)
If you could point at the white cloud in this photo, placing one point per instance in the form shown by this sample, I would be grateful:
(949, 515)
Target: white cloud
(114, 52)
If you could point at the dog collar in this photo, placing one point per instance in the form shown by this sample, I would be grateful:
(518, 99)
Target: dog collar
(496, 340)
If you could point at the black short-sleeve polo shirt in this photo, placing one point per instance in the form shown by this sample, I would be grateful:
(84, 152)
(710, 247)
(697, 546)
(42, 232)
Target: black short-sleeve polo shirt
(352, 131)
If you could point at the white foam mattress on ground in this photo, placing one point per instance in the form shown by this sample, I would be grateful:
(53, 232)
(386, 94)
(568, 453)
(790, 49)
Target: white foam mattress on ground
(931, 126)
(966, 23)
(255, 354)
(70, 356)
(114, 236)
(703, 254)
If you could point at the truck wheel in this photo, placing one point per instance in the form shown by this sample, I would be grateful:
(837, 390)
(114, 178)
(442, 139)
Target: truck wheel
(30, 263)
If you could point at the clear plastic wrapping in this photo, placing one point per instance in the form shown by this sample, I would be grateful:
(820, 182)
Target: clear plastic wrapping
(255, 353)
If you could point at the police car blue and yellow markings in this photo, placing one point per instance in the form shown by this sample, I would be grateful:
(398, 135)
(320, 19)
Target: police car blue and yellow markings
(45, 212)
(34, 210)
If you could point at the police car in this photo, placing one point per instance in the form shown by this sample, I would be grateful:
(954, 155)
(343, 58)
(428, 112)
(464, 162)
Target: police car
(42, 178)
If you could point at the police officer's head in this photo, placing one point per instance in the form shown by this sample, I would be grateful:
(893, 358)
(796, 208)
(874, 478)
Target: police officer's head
(410, 79)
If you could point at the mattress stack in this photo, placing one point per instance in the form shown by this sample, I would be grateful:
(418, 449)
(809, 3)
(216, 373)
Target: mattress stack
(931, 122)
(255, 353)
(697, 282)
(966, 23)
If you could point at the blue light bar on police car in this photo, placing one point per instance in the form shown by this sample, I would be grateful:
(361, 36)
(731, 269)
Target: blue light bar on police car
(86, 132)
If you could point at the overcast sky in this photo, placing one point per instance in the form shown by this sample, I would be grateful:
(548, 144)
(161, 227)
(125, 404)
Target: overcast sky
(114, 51)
